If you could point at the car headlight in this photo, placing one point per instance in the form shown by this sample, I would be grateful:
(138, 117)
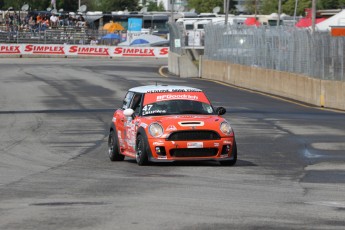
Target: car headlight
(156, 130)
(225, 128)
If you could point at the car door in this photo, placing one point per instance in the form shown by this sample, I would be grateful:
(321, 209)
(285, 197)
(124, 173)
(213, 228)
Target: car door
(132, 123)
(121, 120)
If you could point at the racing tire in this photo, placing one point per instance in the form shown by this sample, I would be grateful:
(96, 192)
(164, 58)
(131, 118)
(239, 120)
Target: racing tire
(232, 161)
(113, 148)
(141, 151)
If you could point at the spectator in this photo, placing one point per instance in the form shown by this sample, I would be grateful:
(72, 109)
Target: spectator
(7, 22)
(39, 18)
(93, 41)
(54, 21)
(44, 24)
(81, 21)
(32, 25)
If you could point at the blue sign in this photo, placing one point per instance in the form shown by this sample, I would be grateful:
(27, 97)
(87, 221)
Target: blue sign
(135, 24)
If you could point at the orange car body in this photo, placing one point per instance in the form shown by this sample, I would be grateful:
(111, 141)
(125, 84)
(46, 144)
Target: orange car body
(152, 125)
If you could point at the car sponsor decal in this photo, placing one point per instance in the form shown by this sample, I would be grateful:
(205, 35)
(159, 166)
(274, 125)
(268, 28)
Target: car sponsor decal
(173, 90)
(193, 145)
(216, 144)
(150, 109)
(168, 97)
(171, 128)
(227, 142)
(114, 119)
(162, 157)
(158, 143)
(159, 97)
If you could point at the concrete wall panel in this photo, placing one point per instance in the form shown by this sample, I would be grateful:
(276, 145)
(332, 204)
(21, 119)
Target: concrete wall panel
(330, 94)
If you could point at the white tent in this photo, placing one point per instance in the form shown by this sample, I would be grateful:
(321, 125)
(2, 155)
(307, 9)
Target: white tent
(145, 40)
(335, 20)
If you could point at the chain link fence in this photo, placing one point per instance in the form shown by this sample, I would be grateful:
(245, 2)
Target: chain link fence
(176, 35)
(289, 49)
(57, 36)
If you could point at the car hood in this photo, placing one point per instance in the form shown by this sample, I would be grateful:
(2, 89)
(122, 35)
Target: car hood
(186, 122)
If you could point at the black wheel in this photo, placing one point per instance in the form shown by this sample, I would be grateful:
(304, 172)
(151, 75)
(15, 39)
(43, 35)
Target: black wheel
(234, 154)
(141, 156)
(113, 148)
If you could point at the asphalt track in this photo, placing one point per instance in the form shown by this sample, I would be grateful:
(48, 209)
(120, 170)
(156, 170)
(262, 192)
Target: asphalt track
(55, 174)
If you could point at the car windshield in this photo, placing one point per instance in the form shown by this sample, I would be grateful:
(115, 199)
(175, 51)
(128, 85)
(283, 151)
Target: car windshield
(177, 107)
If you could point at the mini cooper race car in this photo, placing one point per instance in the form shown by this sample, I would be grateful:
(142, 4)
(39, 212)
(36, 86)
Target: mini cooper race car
(170, 123)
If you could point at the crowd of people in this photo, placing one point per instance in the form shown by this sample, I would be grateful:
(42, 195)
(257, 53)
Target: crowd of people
(35, 22)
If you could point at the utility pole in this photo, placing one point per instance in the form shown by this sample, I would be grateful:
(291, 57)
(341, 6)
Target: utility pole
(313, 16)
(227, 3)
(279, 12)
(172, 10)
(295, 11)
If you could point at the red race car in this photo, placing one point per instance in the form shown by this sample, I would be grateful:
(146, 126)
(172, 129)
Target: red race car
(170, 123)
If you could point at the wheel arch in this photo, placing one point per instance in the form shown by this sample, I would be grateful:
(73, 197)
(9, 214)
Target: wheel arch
(141, 131)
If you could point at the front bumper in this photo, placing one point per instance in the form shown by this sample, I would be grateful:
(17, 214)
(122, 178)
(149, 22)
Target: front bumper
(163, 150)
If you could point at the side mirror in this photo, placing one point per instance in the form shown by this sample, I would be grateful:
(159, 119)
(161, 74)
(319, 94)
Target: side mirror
(220, 111)
(128, 112)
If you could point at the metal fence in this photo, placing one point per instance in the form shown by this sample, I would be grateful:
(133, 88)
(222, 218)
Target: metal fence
(176, 36)
(67, 35)
(290, 49)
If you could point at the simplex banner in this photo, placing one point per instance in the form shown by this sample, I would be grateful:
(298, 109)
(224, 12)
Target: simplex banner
(83, 50)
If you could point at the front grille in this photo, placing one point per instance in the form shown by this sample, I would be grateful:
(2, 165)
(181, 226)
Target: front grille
(193, 135)
(207, 152)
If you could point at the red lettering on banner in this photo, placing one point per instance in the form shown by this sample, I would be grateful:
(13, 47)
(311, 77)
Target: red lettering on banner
(28, 48)
(118, 50)
(164, 51)
(10, 49)
(89, 51)
(139, 52)
(73, 49)
(40, 49)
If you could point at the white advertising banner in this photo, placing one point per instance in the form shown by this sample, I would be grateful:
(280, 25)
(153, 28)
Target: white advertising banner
(82, 50)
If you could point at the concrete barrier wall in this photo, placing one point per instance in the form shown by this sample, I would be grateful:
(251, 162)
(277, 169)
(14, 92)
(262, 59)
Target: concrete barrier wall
(330, 94)
(173, 63)
(182, 66)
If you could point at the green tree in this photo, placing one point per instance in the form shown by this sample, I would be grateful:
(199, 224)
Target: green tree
(206, 6)
(68, 5)
(152, 6)
(289, 5)
(34, 4)
(161, 6)
(92, 5)
(269, 6)
(252, 6)
(331, 4)
(115, 5)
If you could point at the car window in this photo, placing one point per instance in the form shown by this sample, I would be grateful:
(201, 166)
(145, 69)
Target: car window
(177, 107)
(127, 100)
(136, 102)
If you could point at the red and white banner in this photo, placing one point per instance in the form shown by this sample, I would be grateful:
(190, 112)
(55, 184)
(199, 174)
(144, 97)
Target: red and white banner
(83, 50)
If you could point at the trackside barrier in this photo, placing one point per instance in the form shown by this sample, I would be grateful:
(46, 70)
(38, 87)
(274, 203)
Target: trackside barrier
(81, 51)
(324, 93)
